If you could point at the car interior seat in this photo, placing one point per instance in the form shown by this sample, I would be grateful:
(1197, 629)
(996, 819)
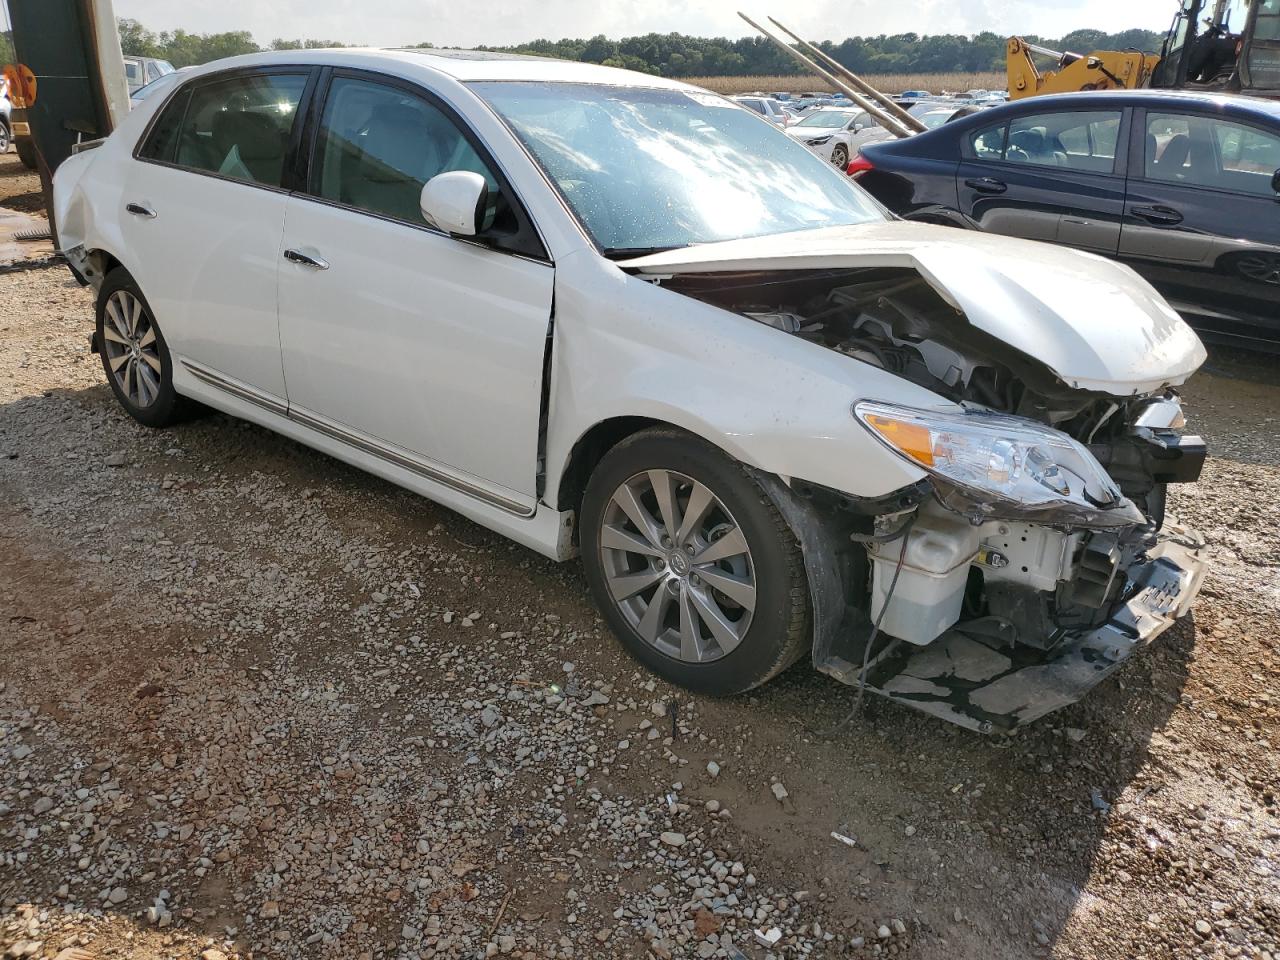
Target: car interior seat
(1175, 155)
(251, 145)
(400, 151)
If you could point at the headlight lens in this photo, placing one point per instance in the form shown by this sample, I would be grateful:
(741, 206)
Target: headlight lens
(1001, 465)
(818, 141)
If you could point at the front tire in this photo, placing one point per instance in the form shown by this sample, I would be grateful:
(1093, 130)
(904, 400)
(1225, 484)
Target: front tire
(4, 137)
(840, 156)
(134, 354)
(692, 565)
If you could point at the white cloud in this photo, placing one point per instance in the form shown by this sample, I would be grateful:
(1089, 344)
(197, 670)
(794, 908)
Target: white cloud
(448, 22)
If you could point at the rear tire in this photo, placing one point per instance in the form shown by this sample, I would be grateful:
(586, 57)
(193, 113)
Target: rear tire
(722, 605)
(4, 137)
(135, 356)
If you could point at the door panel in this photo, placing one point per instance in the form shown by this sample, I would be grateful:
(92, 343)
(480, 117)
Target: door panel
(204, 213)
(1047, 177)
(1202, 222)
(416, 340)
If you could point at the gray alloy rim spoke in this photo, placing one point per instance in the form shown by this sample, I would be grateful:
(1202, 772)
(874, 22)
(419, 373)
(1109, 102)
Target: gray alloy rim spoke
(664, 491)
(625, 497)
(731, 544)
(695, 511)
(615, 538)
(131, 348)
(650, 625)
(628, 585)
(740, 590)
(690, 647)
(721, 628)
(677, 566)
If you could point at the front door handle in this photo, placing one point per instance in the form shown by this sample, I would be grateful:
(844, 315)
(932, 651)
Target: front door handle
(140, 210)
(297, 256)
(987, 185)
(1159, 215)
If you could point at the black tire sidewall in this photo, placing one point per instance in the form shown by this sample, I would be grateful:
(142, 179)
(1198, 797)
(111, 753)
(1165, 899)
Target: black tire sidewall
(165, 409)
(766, 643)
(838, 148)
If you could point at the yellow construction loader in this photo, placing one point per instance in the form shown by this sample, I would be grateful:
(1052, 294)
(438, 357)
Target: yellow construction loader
(1197, 54)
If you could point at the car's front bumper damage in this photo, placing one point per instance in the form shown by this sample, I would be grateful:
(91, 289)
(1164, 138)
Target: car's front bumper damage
(981, 682)
(998, 669)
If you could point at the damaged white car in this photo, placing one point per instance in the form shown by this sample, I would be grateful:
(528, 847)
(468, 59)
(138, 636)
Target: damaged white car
(609, 314)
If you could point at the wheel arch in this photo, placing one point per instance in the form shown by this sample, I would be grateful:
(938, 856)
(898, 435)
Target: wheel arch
(601, 437)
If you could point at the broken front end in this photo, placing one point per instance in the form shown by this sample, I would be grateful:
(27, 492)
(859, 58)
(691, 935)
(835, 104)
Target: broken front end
(1035, 557)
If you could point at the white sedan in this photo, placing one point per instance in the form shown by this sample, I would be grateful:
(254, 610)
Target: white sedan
(613, 315)
(837, 133)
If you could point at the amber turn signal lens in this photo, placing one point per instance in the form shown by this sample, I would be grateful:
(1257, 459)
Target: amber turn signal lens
(913, 439)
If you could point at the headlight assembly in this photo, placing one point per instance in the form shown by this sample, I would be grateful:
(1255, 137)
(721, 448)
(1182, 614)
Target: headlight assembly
(989, 465)
(818, 141)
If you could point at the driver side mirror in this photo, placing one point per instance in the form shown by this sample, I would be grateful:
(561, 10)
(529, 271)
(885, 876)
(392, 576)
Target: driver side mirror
(858, 128)
(455, 202)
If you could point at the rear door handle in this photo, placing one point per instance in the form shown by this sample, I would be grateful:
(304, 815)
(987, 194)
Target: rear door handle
(140, 210)
(297, 256)
(1164, 216)
(987, 185)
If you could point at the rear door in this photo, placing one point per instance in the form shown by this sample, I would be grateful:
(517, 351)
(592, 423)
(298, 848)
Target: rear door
(203, 212)
(419, 347)
(1202, 218)
(1056, 176)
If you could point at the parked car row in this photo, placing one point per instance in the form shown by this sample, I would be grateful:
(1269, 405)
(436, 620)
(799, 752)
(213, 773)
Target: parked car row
(1183, 187)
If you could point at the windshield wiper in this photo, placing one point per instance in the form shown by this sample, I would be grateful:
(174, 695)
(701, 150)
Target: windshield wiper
(627, 253)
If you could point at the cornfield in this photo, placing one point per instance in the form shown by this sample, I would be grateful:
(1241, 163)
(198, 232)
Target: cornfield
(888, 82)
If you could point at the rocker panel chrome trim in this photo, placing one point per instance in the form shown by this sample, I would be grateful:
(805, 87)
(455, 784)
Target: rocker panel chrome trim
(409, 461)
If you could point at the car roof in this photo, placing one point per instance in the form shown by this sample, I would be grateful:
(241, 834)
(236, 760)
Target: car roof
(461, 65)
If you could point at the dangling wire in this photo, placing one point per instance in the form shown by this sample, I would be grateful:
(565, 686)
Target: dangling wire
(905, 532)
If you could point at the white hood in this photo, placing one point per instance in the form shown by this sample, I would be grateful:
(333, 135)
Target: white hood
(1096, 324)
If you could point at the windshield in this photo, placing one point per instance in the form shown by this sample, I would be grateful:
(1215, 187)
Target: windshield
(827, 118)
(646, 169)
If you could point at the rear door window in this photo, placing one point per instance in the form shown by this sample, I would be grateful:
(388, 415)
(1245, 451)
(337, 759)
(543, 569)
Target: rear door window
(1077, 140)
(1206, 151)
(240, 127)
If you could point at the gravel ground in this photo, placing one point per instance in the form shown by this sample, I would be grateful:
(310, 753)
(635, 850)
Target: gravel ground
(253, 702)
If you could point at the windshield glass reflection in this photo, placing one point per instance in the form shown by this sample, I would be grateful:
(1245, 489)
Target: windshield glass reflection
(647, 168)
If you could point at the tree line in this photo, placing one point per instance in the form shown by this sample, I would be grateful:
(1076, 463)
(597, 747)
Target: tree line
(675, 54)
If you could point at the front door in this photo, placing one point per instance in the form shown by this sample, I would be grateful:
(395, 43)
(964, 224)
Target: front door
(202, 214)
(419, 347)
(1052, 176)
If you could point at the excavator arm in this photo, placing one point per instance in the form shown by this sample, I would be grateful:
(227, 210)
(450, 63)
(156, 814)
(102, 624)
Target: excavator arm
(1100, 70)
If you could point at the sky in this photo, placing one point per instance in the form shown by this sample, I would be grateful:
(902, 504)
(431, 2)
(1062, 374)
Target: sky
(503, 22)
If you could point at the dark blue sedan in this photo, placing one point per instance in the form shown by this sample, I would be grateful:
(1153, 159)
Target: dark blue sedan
(1183, 187)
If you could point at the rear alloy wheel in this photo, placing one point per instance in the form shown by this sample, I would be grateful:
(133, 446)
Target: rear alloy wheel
(1259, 267)
(135, 356)
(840, 156)
(691, 563)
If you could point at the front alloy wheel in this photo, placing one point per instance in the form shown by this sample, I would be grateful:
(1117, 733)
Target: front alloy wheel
(692, 565)
(1260, 267)
(840, 156)
(678, 566)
